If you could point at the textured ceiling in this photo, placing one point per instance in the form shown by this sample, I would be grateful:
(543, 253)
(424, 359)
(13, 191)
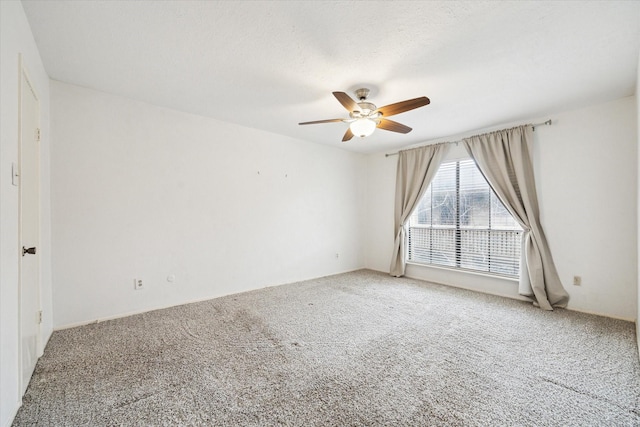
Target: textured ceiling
(272, 64)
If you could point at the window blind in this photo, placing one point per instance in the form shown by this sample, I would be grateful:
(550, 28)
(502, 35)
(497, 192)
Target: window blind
(461, 223)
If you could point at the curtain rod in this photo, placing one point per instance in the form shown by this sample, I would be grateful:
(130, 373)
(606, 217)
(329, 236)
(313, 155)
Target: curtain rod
(548, 122)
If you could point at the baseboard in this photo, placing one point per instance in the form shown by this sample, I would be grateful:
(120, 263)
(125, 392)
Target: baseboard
(45, 341)
(47, 338)
(147, 310)
(522, 298)
(498, 294)
(626, 319)
(13, 415)
(468, 288)
(135, 312)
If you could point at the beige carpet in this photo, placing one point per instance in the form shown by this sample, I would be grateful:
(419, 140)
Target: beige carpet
(358, 349)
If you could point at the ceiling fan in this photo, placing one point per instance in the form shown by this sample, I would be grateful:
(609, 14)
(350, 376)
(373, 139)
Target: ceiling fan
(365, 117)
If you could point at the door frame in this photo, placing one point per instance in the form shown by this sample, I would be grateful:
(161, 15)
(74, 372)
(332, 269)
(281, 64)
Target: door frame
(23, 75)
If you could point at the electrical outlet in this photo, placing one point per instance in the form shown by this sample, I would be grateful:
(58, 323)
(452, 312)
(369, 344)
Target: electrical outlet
(137, 284)
(337, 255)
(577, 280)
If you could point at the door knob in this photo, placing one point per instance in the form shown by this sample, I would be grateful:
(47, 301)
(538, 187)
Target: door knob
(31, 251)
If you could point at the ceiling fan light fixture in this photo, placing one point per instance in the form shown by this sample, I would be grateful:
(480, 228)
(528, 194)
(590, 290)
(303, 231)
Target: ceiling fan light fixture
(363, 127)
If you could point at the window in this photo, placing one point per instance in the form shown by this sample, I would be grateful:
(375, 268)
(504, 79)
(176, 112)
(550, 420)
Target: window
(461, 223)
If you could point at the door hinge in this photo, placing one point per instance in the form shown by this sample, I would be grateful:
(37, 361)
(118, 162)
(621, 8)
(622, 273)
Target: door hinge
(39, 317)
(14, 174)
(38, 134)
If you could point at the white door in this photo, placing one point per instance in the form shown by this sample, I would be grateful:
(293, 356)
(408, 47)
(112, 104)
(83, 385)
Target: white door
(29, 256)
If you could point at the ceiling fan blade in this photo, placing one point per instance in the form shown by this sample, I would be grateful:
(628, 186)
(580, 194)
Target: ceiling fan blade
(347, 135)
(321, 121)
(346, 101)
(387, 124)
(401, 107)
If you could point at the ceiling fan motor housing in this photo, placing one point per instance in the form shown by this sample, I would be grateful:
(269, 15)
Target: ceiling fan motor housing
(362, 93)
(366, 110)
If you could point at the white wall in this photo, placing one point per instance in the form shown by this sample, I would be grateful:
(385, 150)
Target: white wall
(585, 166)
(586, 176)
(142, 191)
(15, 38)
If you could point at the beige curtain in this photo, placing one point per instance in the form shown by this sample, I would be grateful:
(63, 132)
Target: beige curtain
(416, 169)
(504, 159)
